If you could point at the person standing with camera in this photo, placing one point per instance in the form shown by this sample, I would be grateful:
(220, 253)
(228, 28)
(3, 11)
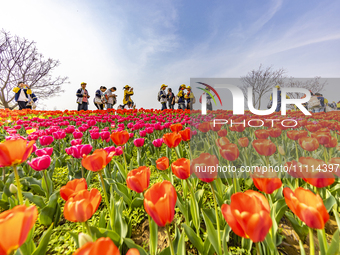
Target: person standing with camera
(128, 92)
(110, 97)
(82, 97)
(98, 100)
(22, 93)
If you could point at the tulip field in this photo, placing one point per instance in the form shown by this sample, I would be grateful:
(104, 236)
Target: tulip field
(171, 182)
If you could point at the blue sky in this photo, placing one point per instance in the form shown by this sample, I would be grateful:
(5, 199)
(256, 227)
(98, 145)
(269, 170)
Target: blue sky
(147, 43)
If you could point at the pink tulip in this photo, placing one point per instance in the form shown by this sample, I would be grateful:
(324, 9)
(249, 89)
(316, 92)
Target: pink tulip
(105, 135)
(77, 135)
(32, 137)
(40, 163)
(59, 135)
(76, 142)
(131, 135)
(94, 135)
(70, 129)
(46, 140)
(119, 151)
(79, 150)
(149, 130)
(142, 133)
(110, 149)
(45, 151)
(157, 142)
(139, 142)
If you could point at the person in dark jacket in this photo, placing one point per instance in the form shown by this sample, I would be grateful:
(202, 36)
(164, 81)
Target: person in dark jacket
(171, 98)
(99, 98)
(278, 107)
(22, 92)
(181, 94)
(162, 96)
(32, 98)
(82, 97)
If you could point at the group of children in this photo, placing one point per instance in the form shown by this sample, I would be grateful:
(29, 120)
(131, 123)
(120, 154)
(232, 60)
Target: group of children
(104, 98)
(24, 96)
(185, 100)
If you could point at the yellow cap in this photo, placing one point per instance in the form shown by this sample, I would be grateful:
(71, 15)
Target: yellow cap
(189, 87)
(277, 86)
(163, 85)
(83, 83)
(127, 87)
(183, 86)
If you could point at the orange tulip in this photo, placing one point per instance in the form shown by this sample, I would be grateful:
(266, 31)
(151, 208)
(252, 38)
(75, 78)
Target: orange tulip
(293, 169)
(315, 172)
(138, 179)
(274, 132)
(243, 141)
(332, 143)
(313, 127)
(222, 133)
(248, 215)
(266, 182)
(133, 251)
(307, 206)
(238, 128)
(97, 161)
(308, 143)
(181, 168)
(334, 166)
(185, 134)
(322, 137)
(261, 134)
(14, 152)
(103, 246)
(296, 134)
(160, 201)
(162, 163)
(120, 137)
(15, 224)
(222, 141)
(215, 126)
(229, 152)
(82, 206)
(204, 127)
(204, 167)
(172, 140)
(264, 147)
(72, 187)
(176, 127)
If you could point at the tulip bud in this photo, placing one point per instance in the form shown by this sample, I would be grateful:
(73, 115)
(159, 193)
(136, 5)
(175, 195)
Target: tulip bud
(13, 189)
(84, 239)
(281, 150)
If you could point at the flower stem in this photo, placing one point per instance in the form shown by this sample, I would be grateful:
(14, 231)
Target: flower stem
(104, 189)
(4, 175)
(176, 153)
(126, 171)
(311, 242)
(257, 248)
(46, 184)
(88, 228)
(171, 245)
(21, 201)
(217, 220)
(151, 236)
(196, 222)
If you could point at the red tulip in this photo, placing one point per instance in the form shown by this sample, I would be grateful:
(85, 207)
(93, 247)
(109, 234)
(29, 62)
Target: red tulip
(274, 132)
(15, 225)
(296, 134)
(264, 147)
(307, 206)
(205, 166)
(72, 188)
(97, 161)
(162, 163)
(103, 246)
(229, 152)
(120, 137)
(176, 127)
(266, 182)
(261, 134)
(248, 215)
(309, 143)
(322, 137)
(138, 179)
(82, 206)
(185, 134)
(332, 143)
(222, 133)
(204, 127)
(243, 141)
(172, 140)
(181, 168)
(160, 201)
(222, 141)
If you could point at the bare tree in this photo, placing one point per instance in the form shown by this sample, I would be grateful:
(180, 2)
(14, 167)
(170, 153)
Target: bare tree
(315, 85)
(20, 61)
(262, 81)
